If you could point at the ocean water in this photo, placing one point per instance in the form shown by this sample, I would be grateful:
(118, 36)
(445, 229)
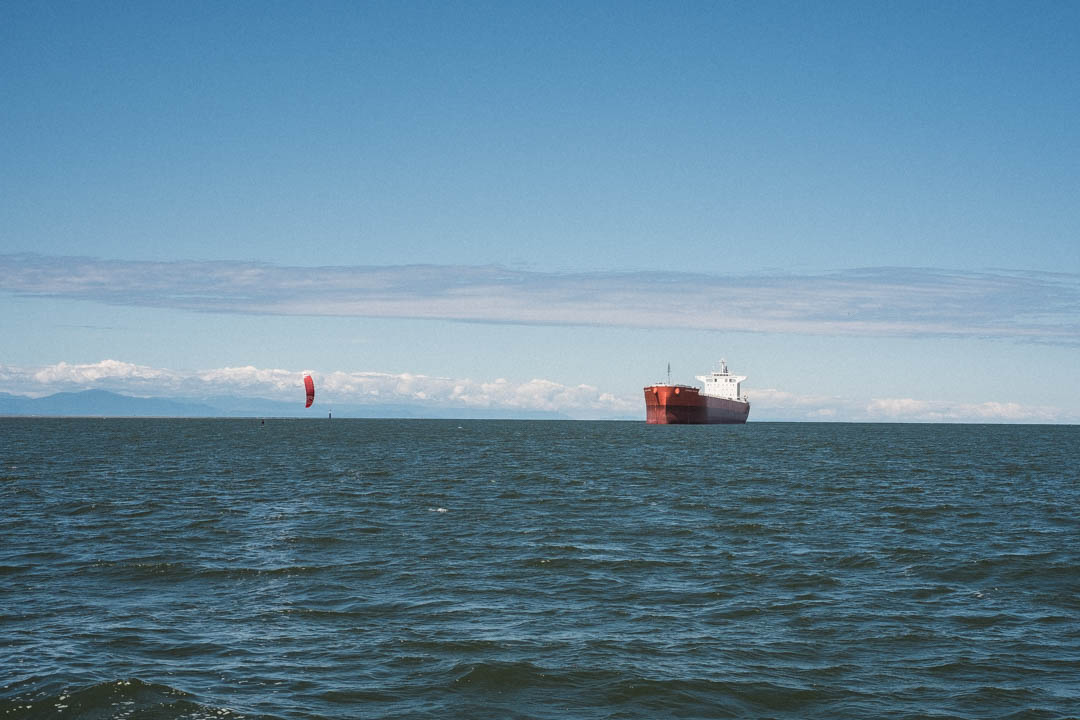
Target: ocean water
(483, 569)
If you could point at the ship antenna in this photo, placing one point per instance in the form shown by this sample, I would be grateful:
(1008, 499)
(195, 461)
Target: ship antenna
(669, 373)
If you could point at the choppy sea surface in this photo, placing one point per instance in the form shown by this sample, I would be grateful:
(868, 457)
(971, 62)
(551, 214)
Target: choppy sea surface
(485, 569)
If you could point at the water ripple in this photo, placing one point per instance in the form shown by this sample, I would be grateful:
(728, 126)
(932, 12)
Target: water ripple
(414, 569)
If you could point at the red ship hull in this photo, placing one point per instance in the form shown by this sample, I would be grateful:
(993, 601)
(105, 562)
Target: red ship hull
(683, 405)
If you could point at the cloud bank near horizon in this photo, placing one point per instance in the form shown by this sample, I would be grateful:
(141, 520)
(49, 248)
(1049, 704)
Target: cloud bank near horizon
(580, 401)
(1037, 307)
(788, 405)
(363, 387)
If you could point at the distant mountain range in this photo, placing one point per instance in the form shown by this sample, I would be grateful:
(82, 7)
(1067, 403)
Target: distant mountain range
(102, 403)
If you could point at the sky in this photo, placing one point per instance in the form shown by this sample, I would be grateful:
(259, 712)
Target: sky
(872, 210)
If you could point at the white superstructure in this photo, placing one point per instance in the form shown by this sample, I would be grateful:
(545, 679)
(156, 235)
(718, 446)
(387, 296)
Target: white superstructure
(722, 384)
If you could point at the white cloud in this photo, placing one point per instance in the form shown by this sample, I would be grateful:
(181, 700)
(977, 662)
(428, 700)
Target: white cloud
(770, 403)
(773, 398)
(364, 387)
(63, 373)
(1034, 307)
(783, 405)
(499, 394)
(910, 409)
(248, 378)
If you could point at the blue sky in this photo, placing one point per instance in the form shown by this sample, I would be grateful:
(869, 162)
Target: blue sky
(869, 209)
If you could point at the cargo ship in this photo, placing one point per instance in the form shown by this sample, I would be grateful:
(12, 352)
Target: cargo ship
(721, 401)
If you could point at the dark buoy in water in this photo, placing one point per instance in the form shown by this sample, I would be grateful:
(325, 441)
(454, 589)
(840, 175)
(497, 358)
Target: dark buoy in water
(330, 415)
